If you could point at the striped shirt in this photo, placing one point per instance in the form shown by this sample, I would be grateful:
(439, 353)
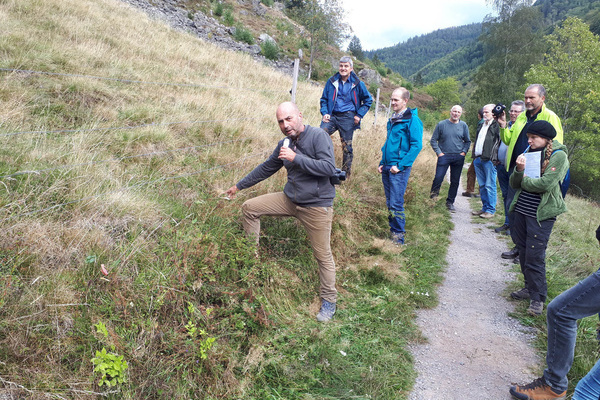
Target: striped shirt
(528, 203)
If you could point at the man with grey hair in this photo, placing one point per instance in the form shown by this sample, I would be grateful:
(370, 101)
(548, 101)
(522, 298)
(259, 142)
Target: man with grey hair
(344, 102)
(485, 153)
(450, 141)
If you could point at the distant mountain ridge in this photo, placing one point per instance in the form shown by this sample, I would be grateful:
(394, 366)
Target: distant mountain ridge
(457, 51)
(414, 55)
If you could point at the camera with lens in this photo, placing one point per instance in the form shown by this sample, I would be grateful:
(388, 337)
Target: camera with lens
(337, 177)
(498, 110)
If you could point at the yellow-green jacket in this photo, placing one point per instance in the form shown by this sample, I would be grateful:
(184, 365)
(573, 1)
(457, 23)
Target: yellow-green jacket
(509, 135)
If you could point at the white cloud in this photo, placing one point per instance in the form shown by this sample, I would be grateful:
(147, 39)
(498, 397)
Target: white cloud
(383, 23)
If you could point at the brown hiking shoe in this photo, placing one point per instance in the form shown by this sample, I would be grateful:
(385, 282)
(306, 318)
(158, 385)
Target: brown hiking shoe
(535, 308)
(536, 390)
(522, 294)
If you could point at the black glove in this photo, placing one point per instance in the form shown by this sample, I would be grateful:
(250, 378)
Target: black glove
(598, 233)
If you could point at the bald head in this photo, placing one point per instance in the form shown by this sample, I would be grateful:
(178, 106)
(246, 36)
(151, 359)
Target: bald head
(289, 119)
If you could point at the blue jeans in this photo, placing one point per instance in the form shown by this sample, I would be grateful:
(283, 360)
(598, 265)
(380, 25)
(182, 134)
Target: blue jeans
(455, 162)
(588, 388)
(343, 123)
(582, 300)
(503, 176)
(486, 177)
(394, 186)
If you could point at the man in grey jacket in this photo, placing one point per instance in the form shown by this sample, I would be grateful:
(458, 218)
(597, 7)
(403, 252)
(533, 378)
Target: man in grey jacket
(307, 154)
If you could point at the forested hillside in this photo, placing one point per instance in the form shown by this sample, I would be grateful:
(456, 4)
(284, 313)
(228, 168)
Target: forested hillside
(558, 10)
(457, 51)
(411, 56)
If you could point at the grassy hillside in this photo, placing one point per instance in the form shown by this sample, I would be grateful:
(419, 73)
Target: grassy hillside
(116, 236)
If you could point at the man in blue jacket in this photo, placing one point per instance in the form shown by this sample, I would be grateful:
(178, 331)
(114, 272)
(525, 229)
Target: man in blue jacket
(402, 146)
(344, 102)
(307, 154)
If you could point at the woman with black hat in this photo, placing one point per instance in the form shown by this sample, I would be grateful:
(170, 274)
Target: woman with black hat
(537, 203)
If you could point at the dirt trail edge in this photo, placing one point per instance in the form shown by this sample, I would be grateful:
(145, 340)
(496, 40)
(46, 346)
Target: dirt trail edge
(474, 349)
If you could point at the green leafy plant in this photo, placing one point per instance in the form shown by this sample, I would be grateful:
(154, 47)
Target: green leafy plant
(91, 259)
(111, 367)
(269, 49)
(101, 328)
(243, 35)
(228, 17)
(205, 345)
(218, 10)
(268, 3)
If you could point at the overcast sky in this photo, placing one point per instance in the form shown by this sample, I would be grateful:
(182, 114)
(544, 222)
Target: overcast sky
(384, 23)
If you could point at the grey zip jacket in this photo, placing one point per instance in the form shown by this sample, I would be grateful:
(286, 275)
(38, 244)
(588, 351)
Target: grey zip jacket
(308, 183)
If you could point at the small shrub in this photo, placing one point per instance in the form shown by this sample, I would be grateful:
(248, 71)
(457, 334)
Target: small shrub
(243, 35)
(218, 10)
(111, 366)
(228, 18)
(268, 3)
(270, 50)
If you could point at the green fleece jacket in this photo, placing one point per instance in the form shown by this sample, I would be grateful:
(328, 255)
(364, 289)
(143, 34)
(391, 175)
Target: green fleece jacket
(510, 135)
(548, 185)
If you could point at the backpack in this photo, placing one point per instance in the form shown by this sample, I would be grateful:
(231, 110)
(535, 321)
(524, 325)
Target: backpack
(566, 182)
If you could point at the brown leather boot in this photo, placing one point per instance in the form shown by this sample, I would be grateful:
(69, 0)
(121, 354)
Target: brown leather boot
(536, 390)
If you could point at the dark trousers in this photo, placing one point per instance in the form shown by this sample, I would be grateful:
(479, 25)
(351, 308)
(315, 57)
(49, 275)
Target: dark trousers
(344, 124)
(531, 239)
(471, 178)
(503, 177)
(455, 162)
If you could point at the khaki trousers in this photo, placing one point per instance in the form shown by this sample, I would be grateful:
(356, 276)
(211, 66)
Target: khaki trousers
(316, 221)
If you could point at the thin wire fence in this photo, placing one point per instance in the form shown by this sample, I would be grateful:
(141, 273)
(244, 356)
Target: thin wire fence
(163, 152)
(123, 80)
(127, 127)
(130, 187)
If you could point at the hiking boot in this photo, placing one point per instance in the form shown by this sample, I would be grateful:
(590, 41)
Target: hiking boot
(467, 194)
(477, 212)
(522, 294)
(536, 390)
(326, 312)
(502, 228)
(450, 207)
(514, 253)
(486, 215)
(398, 238)
(535, 308)
(433, 195)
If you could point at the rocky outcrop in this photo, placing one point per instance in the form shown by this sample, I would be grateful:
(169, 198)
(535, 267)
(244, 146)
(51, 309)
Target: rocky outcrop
(370, 76)
(208, 28)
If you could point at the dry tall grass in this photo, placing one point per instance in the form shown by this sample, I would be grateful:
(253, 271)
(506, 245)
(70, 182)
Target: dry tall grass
(100, 197)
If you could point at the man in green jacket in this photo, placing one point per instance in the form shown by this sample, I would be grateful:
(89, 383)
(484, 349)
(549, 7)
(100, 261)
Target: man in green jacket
(515, 137)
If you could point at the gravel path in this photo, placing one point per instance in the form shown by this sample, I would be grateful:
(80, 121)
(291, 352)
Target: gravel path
(474, 349)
